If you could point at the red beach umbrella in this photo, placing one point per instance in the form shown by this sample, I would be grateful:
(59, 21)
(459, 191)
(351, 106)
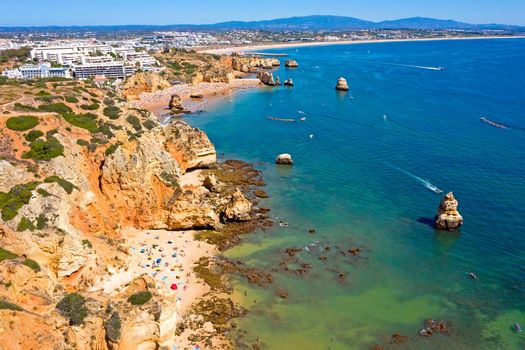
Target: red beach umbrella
(173, 286)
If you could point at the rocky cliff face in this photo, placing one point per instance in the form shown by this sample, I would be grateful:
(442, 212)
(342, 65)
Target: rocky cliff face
(253, 64)
(448, 217)
(144, 82)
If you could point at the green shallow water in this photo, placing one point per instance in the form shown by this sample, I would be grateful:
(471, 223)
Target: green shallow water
(352, 182)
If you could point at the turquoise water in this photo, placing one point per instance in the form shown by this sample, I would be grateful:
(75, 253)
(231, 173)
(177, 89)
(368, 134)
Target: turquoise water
(351, 182)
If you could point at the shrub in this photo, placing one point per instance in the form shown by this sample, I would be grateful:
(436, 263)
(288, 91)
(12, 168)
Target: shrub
(72, 306)
(87, 243)
(22, 123)
(44, 150)
(15, 199)
(135, 122)
(140, 298)
(25, 224)
(111, 149)
(66, 185)
(86, 121)
(25, 108)
(31, 264)
(41, 222)
(112, 112)
(43, 192)
(92, 107)
(6, 254)
(71, 99)
(113, 326)
(149, 124)
(59, 108)
(5, 305)
(109, 102)
(33, 135)
(81, 142)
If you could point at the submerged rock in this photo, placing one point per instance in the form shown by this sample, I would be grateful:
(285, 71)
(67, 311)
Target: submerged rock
(284, 159)
(291, 64)
(342, 85)
(448, 217)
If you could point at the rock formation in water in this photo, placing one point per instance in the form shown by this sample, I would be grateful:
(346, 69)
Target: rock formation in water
(342, 85)
(291, 64)
(278, 81)
(175, 105)
(266, 78)
(238, 208)
(252, 64)
(288, 82)
(284, 159)
(143, 82)
(448, 217)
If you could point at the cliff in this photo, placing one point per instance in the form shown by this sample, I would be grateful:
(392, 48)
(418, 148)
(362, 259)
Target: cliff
(144, 82)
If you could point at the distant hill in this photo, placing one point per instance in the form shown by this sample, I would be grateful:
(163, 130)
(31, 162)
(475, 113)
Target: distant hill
(306, 23)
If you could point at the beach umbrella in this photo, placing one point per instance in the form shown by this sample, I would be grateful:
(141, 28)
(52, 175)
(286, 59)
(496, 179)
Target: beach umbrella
(158, 261)
(173, 286)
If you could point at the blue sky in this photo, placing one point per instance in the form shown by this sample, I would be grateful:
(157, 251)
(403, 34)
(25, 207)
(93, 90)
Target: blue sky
(99, 12)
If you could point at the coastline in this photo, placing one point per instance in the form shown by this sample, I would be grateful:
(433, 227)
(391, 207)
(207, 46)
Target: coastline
(157, 102)
(231, 49)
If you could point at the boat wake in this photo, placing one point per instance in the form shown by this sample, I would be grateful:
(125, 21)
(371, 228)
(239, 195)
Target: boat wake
(418, 67)
(424, 182)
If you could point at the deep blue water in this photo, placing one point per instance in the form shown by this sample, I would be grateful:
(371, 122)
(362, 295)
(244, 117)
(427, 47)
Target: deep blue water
(351, 183)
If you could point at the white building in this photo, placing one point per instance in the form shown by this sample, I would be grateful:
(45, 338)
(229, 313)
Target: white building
(31, 71)
(68, 53)
(113, 69)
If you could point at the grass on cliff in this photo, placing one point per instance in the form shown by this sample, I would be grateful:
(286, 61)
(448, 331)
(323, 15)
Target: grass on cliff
(113, 326)
(112, 112)
(6, 305)
(33, 135)
(66, 185)
(140, 298)
(73, 307)
(31, 264)
(22, 123)
(16, 198)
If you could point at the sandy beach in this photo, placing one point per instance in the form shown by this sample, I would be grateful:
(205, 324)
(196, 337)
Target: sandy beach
(158, 101)
(229, 50)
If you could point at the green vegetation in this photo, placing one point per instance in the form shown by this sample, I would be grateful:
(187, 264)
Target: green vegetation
(71, 99)
(24, 225)
(149, 124)
(113, 326)
(59, 108)
(5, 305)
(25, 108)
(86, 121)
(44, 150)
(81, 142)
(31, 264)
(72, 306)
(43, 192)
(112, 112)
(33, 135)
(20, 54)
(92, 107)
(87, 243)
(6, 255)
(135, 122)
(15, 199)
(140, 298)
(170, 179)
(22, 123)
(111, 149)
(66, 185)
(109, 102)
(41, 222)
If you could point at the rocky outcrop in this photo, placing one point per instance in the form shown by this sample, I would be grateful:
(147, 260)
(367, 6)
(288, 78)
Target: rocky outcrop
(277, 81)
(143, 82)
(175, 105)
(291, 64)
(284, 159)
(342, 85)
(448, 217)
(252, 64)
(288, 82)
(238, 208)
(266, 78)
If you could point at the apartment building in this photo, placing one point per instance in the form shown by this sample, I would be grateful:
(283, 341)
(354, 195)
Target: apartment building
(112, 69)
(31, 71)
(68, 53)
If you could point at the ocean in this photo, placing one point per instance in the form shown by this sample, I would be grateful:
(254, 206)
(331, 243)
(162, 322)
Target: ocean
(365, 163)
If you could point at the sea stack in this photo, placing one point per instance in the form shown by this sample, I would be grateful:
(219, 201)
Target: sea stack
(291, 64)
(342, 85)
(266, 78)
(175, 105)
(448, 217)
(278, 81)
(288, 82)
(284, 159)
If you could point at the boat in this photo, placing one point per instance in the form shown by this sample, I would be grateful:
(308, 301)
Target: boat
(281, 119)
(490, 122)
(440, 68)
(517, 327)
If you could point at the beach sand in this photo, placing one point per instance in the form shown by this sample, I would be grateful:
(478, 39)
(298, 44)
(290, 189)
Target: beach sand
(228, 50)
(157, 102)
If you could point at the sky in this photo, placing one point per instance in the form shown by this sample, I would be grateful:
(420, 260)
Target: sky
(116, 12)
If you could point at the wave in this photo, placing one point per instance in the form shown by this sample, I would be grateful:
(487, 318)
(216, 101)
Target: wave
(421, 180)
